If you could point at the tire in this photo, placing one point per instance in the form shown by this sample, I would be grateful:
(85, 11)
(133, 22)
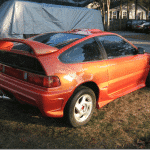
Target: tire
(148, 80)
(81, 106)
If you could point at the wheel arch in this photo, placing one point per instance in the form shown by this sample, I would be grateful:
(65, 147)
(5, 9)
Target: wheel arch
(92, 85)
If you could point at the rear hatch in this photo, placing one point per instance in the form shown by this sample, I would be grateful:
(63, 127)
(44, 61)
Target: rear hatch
(19, 59)
(22, 62)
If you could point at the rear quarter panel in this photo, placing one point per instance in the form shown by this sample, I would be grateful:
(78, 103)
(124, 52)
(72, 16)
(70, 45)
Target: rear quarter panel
(72, 75)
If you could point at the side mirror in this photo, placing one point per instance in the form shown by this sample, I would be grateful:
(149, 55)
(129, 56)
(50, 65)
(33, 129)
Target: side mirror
(141, 50)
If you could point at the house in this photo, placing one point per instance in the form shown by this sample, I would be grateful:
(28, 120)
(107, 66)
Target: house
(115, 12)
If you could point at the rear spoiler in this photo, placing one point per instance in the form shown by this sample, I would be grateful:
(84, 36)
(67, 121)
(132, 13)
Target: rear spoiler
(37, 47)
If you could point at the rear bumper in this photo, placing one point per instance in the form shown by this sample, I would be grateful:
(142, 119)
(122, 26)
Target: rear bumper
(50, 103)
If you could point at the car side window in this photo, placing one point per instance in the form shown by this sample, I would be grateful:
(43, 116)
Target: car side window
(83, 52)
(116, 46)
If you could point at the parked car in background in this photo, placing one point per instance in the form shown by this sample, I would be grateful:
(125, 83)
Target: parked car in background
(136, 23)
(70, 73)
(140, 26)
(130, 25)
(147, 29)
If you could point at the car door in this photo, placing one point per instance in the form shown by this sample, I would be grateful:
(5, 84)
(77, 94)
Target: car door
(125, 68)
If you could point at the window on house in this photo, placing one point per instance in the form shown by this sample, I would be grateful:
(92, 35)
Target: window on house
(124, 15)
(114, 15)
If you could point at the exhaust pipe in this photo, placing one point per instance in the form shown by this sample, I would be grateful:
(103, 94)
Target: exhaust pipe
(4, 95)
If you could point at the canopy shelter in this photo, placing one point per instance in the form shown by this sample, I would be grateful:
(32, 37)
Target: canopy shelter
(18, 17)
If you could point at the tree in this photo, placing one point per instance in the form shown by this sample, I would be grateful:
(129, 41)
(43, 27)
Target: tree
(136, 2)
(120, 13)
(108, 14)
(127, 9)
(104, 12)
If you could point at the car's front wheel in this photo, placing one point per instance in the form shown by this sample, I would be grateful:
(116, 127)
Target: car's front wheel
(81, 106)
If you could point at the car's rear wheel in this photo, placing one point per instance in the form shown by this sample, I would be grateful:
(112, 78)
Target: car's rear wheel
(148, 80)
(81, 106)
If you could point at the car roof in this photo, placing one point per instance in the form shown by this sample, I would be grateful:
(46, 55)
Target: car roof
(86, 32)
(89, 32)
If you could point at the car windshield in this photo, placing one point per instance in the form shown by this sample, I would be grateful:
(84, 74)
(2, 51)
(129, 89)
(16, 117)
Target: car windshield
(58, 40)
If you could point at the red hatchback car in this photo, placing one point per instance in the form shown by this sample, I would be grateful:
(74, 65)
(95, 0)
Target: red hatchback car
(70, 73)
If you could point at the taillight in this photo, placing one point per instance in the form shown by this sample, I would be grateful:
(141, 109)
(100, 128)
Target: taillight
(35, 79)
(52, 81)
(45, 81)
(13, 72)
(138, 26)
(149, 27)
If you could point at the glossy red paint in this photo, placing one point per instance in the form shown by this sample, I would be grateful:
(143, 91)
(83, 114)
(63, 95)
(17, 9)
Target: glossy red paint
(38, 48)
(6, 45)
(112, 77)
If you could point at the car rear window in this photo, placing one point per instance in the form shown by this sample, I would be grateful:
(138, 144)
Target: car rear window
(21, 46)
(58, 40)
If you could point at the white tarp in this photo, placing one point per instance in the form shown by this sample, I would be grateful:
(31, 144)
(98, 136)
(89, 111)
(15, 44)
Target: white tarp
(23, 17)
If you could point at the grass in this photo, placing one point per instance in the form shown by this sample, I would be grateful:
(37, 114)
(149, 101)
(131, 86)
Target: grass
(123, 123)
